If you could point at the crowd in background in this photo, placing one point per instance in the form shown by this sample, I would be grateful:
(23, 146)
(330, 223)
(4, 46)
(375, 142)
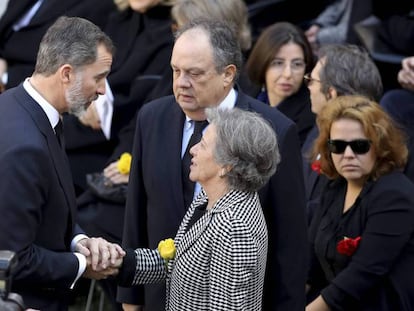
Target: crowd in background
(343, 120)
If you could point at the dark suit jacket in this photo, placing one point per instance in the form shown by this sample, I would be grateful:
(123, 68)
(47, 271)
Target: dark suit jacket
(314, 182)
(20, 48)
(37, 202)
(155, 205)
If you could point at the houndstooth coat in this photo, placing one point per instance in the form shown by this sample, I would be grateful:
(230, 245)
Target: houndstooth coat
(220, 261)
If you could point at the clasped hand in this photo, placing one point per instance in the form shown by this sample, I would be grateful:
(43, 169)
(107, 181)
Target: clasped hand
(406, 74)
(103, 258)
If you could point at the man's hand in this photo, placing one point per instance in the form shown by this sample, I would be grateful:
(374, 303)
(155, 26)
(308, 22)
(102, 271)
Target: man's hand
(91, 117)
(104, 273)
(112, 173)
(311, 35)
(406, 74)
(100, 254)
(3, 70)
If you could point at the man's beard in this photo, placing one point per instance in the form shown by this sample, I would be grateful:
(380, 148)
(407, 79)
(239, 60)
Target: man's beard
(76, 99)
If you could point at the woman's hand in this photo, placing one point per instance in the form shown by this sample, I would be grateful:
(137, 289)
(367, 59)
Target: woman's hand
(114, 175)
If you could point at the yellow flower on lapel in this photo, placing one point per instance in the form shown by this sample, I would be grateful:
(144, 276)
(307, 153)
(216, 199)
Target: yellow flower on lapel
(166, 248)
(124, 163)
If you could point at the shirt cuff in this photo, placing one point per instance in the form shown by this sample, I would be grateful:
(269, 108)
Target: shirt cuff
(75, 241)
(81, 269)
(4, 78)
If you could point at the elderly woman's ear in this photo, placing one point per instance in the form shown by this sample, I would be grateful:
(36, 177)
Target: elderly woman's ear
(224, 170)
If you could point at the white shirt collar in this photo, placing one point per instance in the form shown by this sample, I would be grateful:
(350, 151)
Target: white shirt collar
(51, 112)
(228, 103)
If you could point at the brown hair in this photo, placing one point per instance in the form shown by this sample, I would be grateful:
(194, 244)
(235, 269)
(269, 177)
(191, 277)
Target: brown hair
(386, 138)
(268, 45)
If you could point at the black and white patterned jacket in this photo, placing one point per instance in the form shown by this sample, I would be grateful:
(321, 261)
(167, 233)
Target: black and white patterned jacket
(220, 261)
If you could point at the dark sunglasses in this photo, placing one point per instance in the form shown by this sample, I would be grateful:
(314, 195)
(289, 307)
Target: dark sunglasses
(358, 146)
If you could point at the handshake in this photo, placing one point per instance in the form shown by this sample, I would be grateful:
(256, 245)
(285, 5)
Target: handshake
(103, 259)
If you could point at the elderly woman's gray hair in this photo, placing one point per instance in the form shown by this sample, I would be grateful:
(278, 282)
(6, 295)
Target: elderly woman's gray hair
(247, 144)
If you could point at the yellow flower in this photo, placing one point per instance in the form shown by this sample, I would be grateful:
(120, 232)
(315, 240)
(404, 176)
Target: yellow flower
(124, 163)
(167, 249)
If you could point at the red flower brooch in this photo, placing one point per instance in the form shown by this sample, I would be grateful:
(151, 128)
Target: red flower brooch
(316, 165)
(348, 246)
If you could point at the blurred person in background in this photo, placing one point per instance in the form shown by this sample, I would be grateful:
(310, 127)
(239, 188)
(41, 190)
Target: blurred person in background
(141, 31)
(362, 234)
(399, 103)
(277, 64)
(340, 70)
(23, 25)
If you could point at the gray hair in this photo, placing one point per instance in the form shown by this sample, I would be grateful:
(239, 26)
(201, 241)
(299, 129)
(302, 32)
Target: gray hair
(246, 143)
(223, 40)
(70, 40)
(350, 71)
(232, 11)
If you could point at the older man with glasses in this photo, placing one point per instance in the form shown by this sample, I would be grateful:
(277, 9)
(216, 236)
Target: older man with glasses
(340, 70)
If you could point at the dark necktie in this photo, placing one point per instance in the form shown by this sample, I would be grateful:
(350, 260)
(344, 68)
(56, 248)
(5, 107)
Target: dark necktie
(59, 134)
(188, 185)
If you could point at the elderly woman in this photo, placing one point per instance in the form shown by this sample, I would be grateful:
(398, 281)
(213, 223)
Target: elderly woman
(221, 245)
(363, 232)
(277, 63)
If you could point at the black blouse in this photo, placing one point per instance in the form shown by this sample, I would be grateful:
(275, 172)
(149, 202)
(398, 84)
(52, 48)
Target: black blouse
(374, 277)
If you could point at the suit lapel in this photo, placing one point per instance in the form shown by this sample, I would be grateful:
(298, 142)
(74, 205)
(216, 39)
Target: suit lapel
(185, 239)
(242, 101)
(173, 143)
(57, 154)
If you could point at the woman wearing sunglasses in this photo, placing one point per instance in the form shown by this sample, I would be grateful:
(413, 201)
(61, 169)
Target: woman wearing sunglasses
(362, 234)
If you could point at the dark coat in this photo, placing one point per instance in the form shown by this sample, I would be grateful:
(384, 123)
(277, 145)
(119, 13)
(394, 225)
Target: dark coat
(297, 108)
(144, 45)
(155, 204)
(19, 48)
(37, 203)
(378, 276)
(314, 181)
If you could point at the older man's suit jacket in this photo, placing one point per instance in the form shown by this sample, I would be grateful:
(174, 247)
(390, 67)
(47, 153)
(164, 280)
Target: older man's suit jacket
(37, 204)
(220, 258)
(155, 205)
(20, 47)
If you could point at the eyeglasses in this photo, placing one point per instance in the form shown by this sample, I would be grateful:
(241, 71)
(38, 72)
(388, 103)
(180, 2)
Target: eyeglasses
(358, 146)
(308, 79)
(296, 66)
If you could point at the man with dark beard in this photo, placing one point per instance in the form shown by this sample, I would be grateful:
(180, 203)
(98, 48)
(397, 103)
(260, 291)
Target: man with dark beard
(37, 198)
